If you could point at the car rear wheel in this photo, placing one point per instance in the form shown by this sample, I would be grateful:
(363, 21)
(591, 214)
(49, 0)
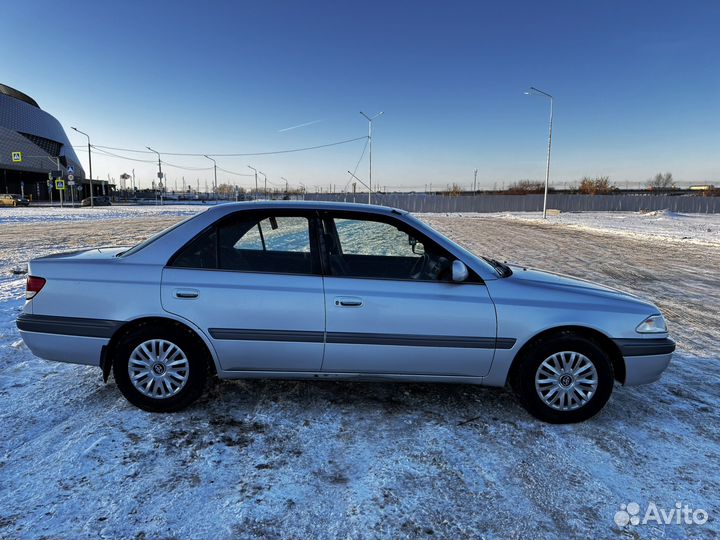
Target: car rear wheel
(563, 379)
(160, 369)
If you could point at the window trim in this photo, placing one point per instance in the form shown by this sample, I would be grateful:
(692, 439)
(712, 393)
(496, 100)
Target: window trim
(259, 215)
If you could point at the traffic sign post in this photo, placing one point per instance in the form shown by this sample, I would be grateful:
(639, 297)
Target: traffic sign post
(16, 157)
(71, 183)
(60, 186)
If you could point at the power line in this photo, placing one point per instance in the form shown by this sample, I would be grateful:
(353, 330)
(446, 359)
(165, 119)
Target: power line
(243, 154)
(233, 172)
(357, 165)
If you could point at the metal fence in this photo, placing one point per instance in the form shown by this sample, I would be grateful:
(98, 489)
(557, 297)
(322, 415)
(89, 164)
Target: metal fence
(418, 202)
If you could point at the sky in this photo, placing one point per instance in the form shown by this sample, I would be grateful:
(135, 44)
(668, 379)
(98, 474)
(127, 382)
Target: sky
(636, 87)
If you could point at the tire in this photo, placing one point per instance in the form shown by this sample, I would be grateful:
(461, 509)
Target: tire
(169, 384)
(558, 398)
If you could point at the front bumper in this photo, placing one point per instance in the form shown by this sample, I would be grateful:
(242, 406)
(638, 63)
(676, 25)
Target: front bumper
(645, 359)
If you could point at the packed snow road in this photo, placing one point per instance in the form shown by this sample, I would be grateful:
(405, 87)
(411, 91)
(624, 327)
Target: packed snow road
(369, 460)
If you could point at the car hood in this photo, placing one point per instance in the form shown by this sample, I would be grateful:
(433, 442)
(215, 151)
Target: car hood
(553, 279)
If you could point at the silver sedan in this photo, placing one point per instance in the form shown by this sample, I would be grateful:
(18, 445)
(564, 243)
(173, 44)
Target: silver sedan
(335, 291)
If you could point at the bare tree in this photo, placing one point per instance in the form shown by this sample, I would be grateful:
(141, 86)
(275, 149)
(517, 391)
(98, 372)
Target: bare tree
(524, 187)
(595, 186)
(661, 181)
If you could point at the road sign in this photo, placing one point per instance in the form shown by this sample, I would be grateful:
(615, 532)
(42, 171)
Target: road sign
(71, 182)
(71, 170)
(17, 157)
(60, 185)
(70, 178)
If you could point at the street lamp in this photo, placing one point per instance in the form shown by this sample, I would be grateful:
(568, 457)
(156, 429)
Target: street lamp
(215, 169)
(160, 173)
(535, 92)
(370, 121)
(256, 185)
(92, 201)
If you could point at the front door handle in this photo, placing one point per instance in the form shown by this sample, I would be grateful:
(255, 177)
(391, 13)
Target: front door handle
(186, 293)
(348, 301)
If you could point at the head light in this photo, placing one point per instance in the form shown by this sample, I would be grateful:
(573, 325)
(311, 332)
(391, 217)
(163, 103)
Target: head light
(655, 324)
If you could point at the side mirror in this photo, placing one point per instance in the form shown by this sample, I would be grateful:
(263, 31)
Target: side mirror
(417, 247)
(459, 271)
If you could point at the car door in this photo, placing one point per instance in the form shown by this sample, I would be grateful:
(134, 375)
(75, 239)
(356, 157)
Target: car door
(392, 306)
(252, 283)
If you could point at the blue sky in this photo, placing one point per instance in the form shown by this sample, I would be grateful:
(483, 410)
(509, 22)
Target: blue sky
(636, 86)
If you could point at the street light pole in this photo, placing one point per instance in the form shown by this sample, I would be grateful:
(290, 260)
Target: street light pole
(370, 141)
(92, 201)
(535, 91)
(256, 184)
(287, 190)
(264, 176)
(160, 173)
(215, 169)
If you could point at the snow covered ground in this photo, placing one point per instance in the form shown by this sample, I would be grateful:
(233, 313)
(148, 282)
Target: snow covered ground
(661, 224)
(286, 459)
(47, 214)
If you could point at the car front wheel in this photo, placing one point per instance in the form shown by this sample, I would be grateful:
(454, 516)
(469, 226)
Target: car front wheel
(564, 379)
(159, 369)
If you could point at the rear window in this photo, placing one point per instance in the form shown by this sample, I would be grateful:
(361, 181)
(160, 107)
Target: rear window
(153, 238)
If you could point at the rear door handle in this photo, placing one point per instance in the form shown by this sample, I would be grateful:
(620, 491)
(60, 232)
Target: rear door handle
(348, 301)
(186, 293)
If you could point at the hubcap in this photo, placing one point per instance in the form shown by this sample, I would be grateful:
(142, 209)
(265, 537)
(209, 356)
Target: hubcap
(566, 380)
(158, 368)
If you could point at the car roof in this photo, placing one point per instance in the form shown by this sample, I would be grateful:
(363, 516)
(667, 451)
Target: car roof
(306, 205)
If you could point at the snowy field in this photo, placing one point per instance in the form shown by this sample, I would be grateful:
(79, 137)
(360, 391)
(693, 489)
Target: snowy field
(661, 224)
(258, 459)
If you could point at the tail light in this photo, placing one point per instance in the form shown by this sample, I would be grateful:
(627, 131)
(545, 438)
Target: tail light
(34, 286)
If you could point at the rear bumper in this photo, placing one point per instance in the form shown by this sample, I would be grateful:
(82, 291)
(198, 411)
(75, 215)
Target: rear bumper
(645, 359)
(66, 339)
(62, 348)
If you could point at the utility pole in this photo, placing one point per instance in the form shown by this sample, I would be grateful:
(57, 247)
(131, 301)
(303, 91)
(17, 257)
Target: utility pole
(57, 162)
(256, 184)
(264, 176)
(475, 183)
(370, 142)
(287, 190)
(160, 174)
(535, 91)
(215, 188)
(92, 200)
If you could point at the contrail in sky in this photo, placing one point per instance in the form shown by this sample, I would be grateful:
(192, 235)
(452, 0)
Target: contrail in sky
(299, 126)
